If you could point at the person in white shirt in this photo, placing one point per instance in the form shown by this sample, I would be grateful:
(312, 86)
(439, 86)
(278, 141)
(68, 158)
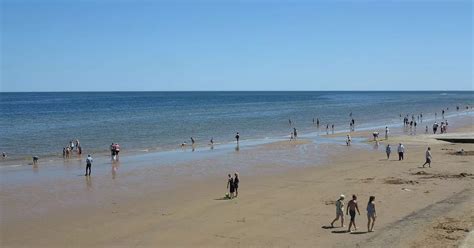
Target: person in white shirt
(428, 158)
(88, 165)
(401, 151)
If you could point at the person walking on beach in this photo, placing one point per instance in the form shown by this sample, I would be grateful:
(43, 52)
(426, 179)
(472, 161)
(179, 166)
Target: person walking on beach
(88, 165)
(230, 186)
(236, 184)
(388, 150)
(371, 214)
(339, 211)
(428, 157)
(237, 137)
(351, 208)
(386, 133)
(401, 151)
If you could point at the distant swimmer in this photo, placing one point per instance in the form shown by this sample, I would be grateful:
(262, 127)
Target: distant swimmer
(237, 137)
(428, 158)
(88, 165)
(388, 150)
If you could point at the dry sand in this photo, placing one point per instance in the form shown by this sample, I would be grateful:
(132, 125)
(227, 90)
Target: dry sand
(416, 207)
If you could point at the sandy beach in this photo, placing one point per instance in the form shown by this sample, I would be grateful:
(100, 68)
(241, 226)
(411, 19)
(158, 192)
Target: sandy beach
(287, 207)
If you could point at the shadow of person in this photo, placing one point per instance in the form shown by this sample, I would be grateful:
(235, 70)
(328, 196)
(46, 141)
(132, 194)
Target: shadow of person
(328, 227)
(358, 232)
(342, 231)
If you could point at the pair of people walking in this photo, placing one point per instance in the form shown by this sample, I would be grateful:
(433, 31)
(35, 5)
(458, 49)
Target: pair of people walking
(352, 207)
(233, 185)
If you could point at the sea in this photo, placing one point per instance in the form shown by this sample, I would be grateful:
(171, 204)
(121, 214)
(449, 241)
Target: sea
(41, 124)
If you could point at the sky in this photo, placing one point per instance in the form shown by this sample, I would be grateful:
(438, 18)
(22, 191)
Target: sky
(123, 45)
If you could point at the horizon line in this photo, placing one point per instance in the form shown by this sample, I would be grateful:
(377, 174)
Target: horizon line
(187, 91)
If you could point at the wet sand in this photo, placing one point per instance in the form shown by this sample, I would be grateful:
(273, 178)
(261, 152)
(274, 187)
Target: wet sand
(284, 199)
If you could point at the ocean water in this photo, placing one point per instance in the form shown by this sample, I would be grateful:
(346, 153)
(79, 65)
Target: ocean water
(43, 123)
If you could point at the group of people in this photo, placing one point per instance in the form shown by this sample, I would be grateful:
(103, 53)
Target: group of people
(352, 207)
(73, 145)
(114, 151)
(233, 186)
(443, 127)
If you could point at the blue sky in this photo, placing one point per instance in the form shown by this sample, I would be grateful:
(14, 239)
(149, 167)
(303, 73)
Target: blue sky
(229, 45)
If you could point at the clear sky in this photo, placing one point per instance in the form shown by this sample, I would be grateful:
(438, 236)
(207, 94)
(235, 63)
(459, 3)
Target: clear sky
(109, 45)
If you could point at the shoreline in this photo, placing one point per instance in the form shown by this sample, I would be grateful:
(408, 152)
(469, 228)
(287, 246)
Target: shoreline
(319, 134)
(281, 203)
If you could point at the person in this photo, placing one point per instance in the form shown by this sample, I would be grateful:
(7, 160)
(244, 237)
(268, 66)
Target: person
(183, 145)
(112, 151)
(401, 151)
(376, 135)
(35, 160)
(332, 128)
(237, 137)
(386, 132)
(371, 214)
(428, 157)
(317, 122)
(435, 127)
(64, 152)
(292, 135)
(348, 140)
(212, 141)
(289, 122)
(88, 165)
(236, 184)
(295, 133)
(79, 149)
(4, 155)
(339, 211)
(351, 208)
(426, 129)
(230, 186)
(192, 141)
(388, 150)
(117, 150)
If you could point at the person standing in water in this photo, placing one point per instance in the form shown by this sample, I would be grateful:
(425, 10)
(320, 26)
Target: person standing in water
(388, 150)
(371, 214)
(351, 208)
(192, 141)
(386, 133)
(295, 133)
(317, 122)
(88, 165)
(339, 211)
(428, 157)
(237, 137)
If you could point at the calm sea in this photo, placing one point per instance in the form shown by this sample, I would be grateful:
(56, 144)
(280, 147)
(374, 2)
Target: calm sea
(43, 123)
